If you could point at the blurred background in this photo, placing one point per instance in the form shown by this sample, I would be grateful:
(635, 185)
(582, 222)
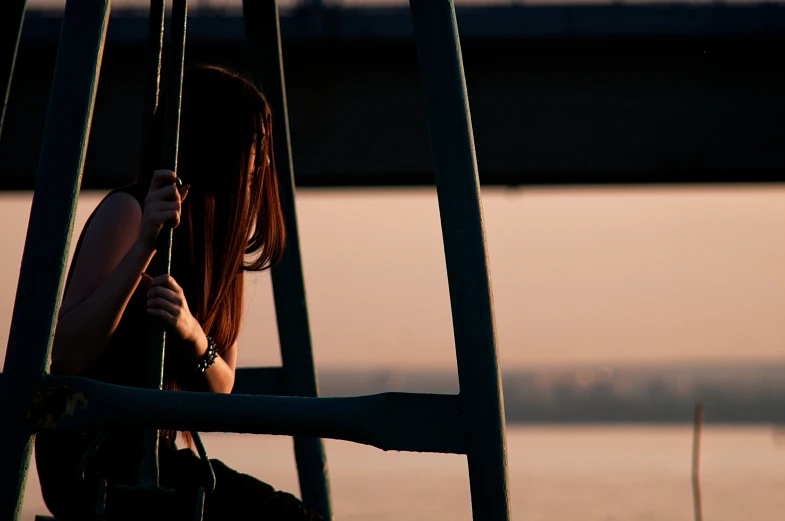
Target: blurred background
(631, 157)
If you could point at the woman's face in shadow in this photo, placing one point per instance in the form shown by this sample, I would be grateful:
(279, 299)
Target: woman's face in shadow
(252, 173)
(252, 163)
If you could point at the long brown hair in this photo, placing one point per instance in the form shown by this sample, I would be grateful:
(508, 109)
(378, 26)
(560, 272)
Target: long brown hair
(231, 220)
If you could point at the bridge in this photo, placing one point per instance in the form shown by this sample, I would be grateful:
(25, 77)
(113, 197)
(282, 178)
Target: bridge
(561, 94)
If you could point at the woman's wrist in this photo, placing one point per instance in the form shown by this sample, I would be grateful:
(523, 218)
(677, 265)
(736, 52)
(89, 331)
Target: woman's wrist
(199, 346)
(209, 357)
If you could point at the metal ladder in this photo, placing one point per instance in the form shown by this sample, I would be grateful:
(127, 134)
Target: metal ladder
(274, 400)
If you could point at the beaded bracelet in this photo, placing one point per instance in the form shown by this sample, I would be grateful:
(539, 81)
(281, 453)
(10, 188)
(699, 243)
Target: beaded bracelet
(209, 356)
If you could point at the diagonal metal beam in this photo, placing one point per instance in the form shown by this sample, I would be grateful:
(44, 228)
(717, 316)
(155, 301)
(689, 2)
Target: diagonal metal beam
(12, 14)
(471, 298)
(263, 35)
(48, 236)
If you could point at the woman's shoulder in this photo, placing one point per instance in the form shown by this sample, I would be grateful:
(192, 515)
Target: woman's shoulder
(125, 195)
(116, 218)
(108, 234)
(123, 202)
(136, 190)
(118, 209)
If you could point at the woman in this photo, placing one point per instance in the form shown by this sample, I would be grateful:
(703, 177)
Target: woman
(224, 207)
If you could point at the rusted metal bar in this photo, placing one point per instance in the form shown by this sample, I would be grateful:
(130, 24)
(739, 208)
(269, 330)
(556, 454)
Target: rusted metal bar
(12, 13)
(171, 138)
(263, 35)
(389, 421)
(155, 41)
(148, 471)
(460, 207)
(48, 237)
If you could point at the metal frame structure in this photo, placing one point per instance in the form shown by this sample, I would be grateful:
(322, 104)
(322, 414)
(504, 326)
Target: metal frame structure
(13, 13)
(470, 423)
(298, 374)
(48, 235)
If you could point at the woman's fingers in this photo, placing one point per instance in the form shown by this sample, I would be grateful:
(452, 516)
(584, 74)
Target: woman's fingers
(171, 217)
(163, 304)
(163, 315)
(158, 206)
(166, 193)
(162, 205)
(183, 190)
(165, 293)
(167, 282)
(165, 300)
(165, 212)
(162, 178)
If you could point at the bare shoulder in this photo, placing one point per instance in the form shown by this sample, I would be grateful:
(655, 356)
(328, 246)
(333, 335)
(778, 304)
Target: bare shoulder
(118, 212)
(112, 231)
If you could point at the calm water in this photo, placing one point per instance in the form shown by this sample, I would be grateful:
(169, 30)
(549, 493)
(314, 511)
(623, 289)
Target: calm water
(556, 474)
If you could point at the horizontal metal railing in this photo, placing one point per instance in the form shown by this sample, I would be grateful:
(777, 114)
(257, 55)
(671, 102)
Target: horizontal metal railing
(389, 421)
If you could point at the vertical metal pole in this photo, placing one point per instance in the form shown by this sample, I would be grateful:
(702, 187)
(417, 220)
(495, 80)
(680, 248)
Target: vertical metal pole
(155, 40)
(155, 369)
(263, 33)
(48, 236)
(12, 12)
(458, 188)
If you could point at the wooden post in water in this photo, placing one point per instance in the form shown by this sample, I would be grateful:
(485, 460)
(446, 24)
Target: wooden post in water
(696, 458)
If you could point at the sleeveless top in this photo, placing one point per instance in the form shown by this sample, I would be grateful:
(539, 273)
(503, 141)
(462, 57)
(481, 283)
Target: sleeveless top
(117, 365)
(58, 453)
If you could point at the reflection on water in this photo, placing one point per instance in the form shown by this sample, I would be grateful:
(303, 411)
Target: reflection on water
(589, 473)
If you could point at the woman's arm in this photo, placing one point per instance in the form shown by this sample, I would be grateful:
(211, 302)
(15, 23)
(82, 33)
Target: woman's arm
(166, 300)
(108, 269)
(219, 377)
(117, 247)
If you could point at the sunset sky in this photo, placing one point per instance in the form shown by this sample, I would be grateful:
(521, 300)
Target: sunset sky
(579, 276)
